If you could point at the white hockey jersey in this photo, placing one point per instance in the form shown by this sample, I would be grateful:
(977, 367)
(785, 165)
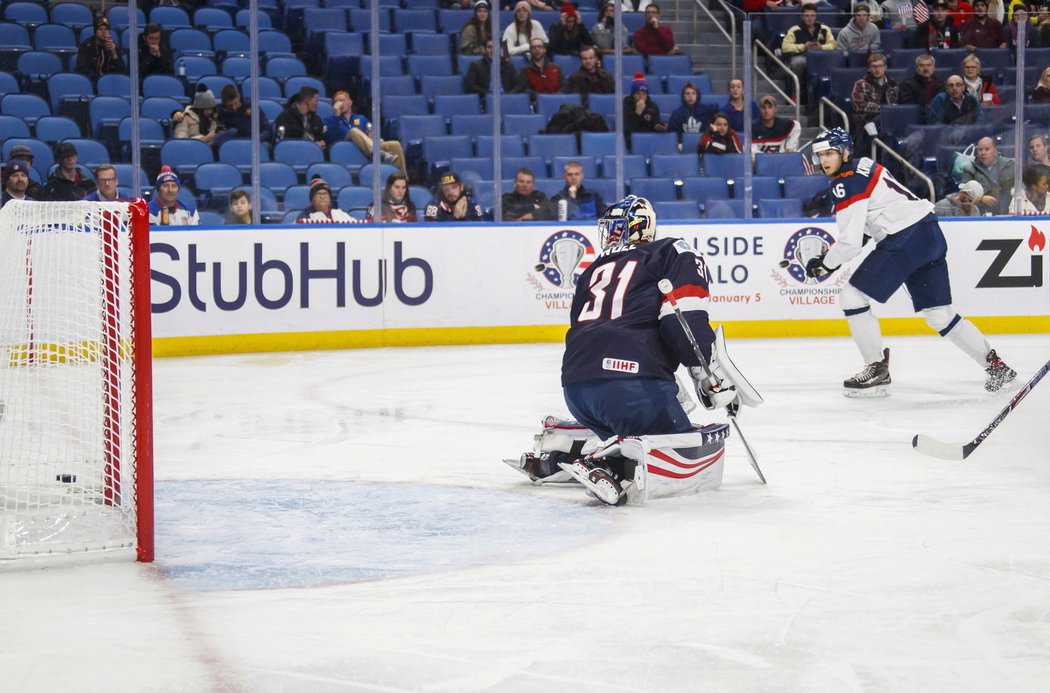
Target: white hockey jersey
(868, 200)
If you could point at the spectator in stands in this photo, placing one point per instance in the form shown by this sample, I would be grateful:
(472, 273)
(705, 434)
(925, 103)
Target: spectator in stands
(199, 121)
(870, 92)
(568, 35)
(235, 116)
(1041, 91)
(692, 115)
(922, 86)
(240, 209)
(398, 207)
(940, 30)
(719, 138)
(98, 55)
(478, 79)
(299, 119)
(953, 106)
(980, 30)
(1036, 180)
(1042, 26)
(997, 12)
(1034, 37)
(519, 35)
(590, 78)
(860, 34)
(154, 57)
(874, 10)
(653, 39)
(582, 203)
(1037, 150)
(773, 134)
(640, 113)
(344, 124)
(809, 35)
(981, 86)
(16, 181)
(66, 184)
(106, 180)
(321, 209)
(962, 203)
(165, 209)
(734, 106)
(994, 172)
(604, 31)
(476, 31)
(453, 202)
(960, 11)
(899, 16)
(540, 75)
(34, 190)
(526, 203)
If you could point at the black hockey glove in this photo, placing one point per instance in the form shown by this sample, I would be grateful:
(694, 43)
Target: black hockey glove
(816, 268)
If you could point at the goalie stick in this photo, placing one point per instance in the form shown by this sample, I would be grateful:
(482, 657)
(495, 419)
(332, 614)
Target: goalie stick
(952, 451)
(666, 288)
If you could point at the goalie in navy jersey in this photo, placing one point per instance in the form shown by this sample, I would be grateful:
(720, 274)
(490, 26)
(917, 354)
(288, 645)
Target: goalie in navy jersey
(632, 438)
(910, 251)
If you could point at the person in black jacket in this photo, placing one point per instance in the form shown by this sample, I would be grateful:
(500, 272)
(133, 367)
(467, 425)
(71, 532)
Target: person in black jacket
(940, 31)
(235, 115)
(66, 184)
(640, 113)
(478, 79)
(154, 57)
(99, 55)
(526, 203)
(922, 86)
(299, 119)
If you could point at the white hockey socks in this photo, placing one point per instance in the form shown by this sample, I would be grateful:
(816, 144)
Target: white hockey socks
(864, 327)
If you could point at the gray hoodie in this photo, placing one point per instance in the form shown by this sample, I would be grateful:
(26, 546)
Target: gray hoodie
(853, 39)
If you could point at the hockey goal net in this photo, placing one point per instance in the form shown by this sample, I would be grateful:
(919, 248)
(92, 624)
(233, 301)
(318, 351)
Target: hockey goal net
(76, 474)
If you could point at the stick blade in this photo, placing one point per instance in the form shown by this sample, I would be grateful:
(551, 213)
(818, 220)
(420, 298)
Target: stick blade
(935, 448)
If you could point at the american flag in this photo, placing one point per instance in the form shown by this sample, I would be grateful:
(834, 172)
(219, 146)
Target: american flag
(921, 12)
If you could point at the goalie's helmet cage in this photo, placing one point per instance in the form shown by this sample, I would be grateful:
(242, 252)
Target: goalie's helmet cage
(629, 221)
(76, 474)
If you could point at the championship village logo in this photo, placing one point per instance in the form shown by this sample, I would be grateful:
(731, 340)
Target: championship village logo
(563, 258)
(1005, 249)
(802, 246)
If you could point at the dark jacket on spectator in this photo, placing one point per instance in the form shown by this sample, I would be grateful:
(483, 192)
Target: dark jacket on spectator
(60, 189)
(298, 126)
(583, 82)
(479, 77)
(563, 43)
(241, 121)
(93, 60)
(944, 36)
(149, 65)
(917, 90)
(943, 110)
(646, 122)
(516, 206)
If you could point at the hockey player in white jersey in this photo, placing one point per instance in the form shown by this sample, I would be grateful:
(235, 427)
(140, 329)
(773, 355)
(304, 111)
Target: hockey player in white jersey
(910, 251)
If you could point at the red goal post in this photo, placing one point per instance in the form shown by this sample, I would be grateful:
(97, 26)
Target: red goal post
(76, 423)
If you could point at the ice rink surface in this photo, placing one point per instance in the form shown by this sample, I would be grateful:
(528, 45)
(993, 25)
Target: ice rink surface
(341, 521)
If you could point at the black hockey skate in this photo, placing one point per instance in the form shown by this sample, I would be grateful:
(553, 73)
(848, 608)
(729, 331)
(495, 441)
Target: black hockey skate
(598, 480)
(873, 381)
(998, 372)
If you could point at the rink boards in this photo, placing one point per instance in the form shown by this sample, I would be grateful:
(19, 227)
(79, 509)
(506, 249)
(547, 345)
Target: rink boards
(240, 289)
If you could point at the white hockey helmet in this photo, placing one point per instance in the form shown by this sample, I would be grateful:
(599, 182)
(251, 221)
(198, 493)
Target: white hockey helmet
(629, 221)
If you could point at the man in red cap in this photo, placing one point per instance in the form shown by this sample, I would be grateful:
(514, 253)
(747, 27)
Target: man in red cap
(568, 35)
(653, 39)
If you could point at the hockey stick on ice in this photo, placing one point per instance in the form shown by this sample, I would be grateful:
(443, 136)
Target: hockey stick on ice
(952, 451)
(666, 288)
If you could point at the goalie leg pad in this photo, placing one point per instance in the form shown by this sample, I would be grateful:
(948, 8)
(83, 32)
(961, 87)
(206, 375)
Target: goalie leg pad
(676, 464)
(561, 440)
(724, 369)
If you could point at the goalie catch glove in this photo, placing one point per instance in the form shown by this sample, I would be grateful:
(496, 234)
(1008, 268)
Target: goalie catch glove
(815, 268)
(713, 395)
(730, 389)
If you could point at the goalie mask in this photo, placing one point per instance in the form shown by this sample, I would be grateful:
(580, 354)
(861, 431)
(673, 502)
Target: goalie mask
(835, 138)
(629, 221)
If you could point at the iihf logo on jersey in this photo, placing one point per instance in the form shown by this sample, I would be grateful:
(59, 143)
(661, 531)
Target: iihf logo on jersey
(804, 245)
(564, 257)
(1005, 248)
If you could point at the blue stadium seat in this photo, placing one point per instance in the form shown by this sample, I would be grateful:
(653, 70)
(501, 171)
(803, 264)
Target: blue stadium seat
(195, 67)
(119, 19)
(649, 143)
(438, 152)
(151, 136)
(228, 43)
(293, 84)
(762, 187)
(184, 156)
(725, 209)
(237, 67)
(805, 187)
(724, 165)
(210, 218)
(361, 19)
(511, 164)
(393, 107)
(160, 108)
(389, 44)
(703, 190)
(278, 176)
(28, 14)
(452, 20)
(188, 42)
(348, 155)
(113, 84)
(685, 210)
(52, 129)
(511, 145)
(126, 177)
(28, 107)
(282, 69)
(891, 40)
(605, 187)
(894, 119)
(677, 82)
(523, 125)
(413, 128)
(73, 15)
(15, 40)
(104, 115)
(354, 200)
(950, 58)
(368, 171)
(272, 108)
(13, 126)
(37, 67)
(399, 85)
(779, 165)
(463, 62)
(90, 153)
(634, 166)
(457, 104)
(215, 84)
(212, 20)
(598, 144)
(70, 93)
(787, 208)
(216, 181)
(472, 169)
(419, 20)
(654, 189)
(588, 163)
(549, 146)
(510, 104)
(675, 166)
(275, 44)
(335, 174)
(473, 125)
(239, 153)
(430, 44)
(389, 66)
(242, 19)
(419, 65)
(56, 39)
(297, 197)
(299, 154)
(431, 86)
(170, 17)
(548, 104)
(678, 64)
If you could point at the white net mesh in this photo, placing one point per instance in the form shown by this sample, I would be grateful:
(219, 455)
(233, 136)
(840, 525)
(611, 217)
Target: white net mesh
(67, 379)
